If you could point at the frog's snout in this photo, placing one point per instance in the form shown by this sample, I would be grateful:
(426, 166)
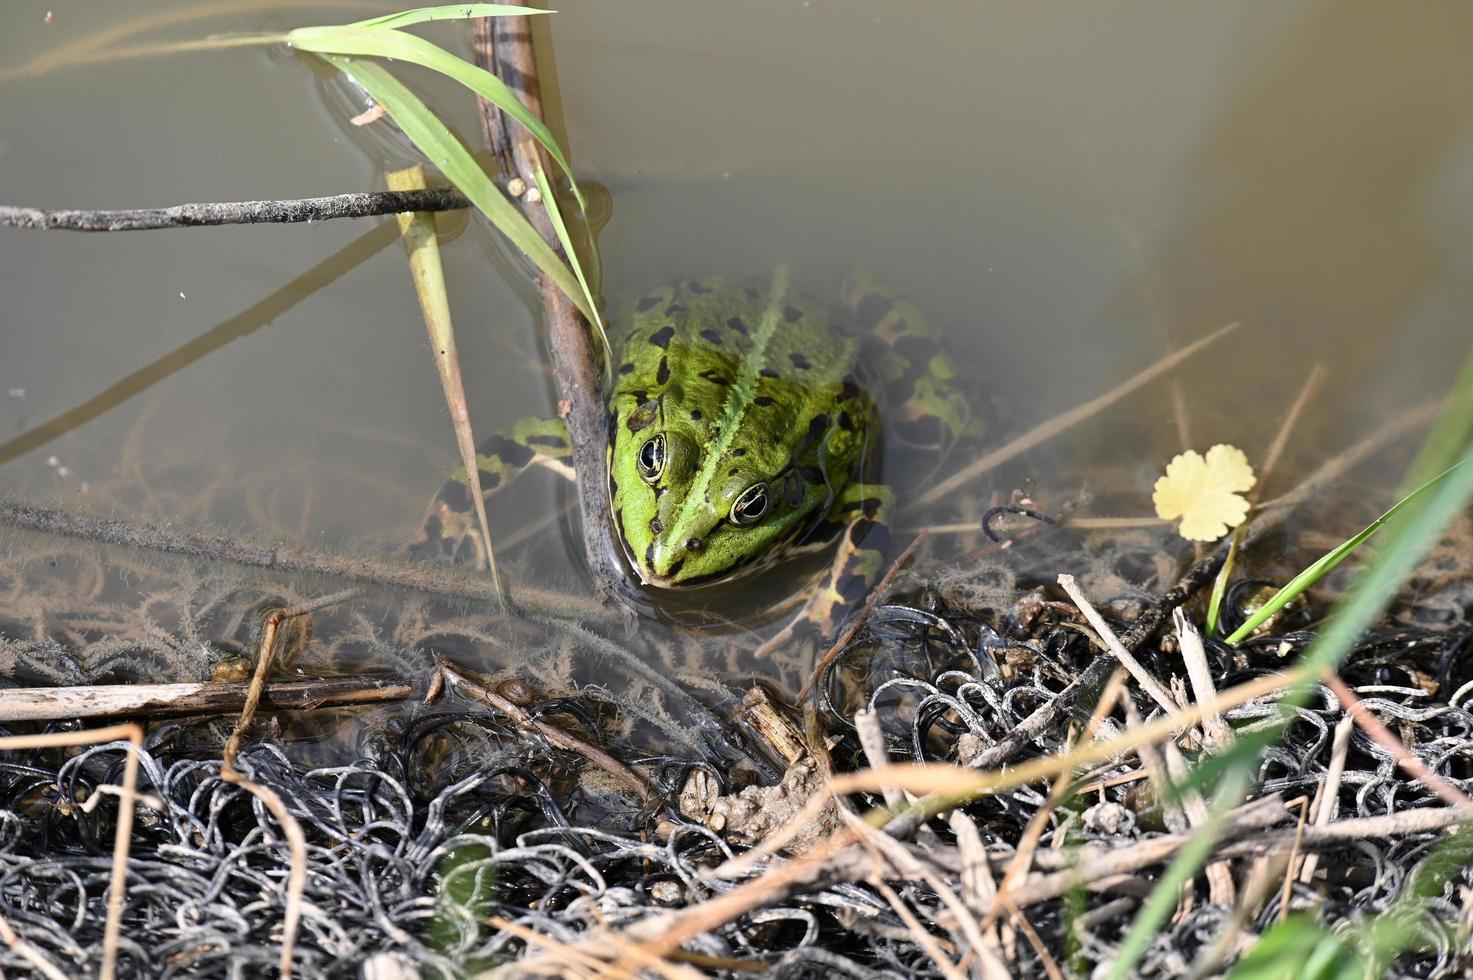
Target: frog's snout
(664, 561)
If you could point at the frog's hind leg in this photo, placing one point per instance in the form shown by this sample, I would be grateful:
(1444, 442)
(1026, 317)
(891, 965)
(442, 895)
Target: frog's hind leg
(925, 409)
(861, 514)
(450, 527)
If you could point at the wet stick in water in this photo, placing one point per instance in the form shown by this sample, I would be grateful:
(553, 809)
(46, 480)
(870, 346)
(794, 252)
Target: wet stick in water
(505, 45)
(417, 577)
(135, 700)
(311, 209)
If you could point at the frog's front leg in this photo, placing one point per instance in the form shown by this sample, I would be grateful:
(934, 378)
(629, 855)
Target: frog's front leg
(450, 529)
(861, 515)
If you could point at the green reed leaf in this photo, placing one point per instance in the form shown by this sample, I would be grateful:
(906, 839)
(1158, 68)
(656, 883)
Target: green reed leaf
(1307, 578)
(439, 145)
(555, 215)
(1220, 584)
(379, 42)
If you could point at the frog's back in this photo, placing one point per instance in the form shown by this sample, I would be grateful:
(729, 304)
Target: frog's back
(732, 332)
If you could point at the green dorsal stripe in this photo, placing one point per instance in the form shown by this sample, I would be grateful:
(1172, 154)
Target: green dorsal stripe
(739, 395)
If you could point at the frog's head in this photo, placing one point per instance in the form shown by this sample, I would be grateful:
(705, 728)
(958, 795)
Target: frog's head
(693, 507)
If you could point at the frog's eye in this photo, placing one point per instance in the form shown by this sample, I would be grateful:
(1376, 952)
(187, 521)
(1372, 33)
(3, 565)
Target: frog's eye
(750, 506)
(651, 461)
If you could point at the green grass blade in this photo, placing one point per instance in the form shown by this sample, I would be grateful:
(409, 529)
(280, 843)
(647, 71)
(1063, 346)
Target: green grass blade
(381, 43)
(443, 150)
(1188, 861)
(1307, 578)
(454, 11)
(1219, 584)
(1297, 949)
(555, 215)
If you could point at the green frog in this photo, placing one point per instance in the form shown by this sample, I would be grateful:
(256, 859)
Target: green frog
(744, 427)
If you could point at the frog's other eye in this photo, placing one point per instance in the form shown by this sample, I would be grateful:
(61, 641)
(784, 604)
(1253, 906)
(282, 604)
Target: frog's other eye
(750, 506)
(651, 460)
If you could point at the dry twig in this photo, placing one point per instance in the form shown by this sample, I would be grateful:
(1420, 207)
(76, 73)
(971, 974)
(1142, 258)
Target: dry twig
(466, 685)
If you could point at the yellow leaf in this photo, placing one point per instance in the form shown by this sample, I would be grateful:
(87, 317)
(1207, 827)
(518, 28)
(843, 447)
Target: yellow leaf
(1205, 493)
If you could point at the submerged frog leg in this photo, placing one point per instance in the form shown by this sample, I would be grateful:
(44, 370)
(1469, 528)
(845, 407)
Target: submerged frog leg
(450, 528)
(925, 408)
(861, 513)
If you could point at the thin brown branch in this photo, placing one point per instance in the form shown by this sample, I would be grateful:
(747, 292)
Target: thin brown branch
(267, 644)
(364, 204)
(504, 46)
(467, 685)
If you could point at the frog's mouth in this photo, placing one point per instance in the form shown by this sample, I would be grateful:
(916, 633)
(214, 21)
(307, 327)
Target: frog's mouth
(643, 567)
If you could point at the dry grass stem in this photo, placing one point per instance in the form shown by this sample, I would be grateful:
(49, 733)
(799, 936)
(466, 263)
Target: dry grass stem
(1058, 792)
(1326, 798)
(584, 964)
(1142, 676)
(29, 953)
(918, 932)
(1342, 463)
(1220, 887)
(122, 836)
(1064, 421)
(421, 241)
(1404, 757)
(1288, 870)
(1216, 734)
(463, 683)
(1275, 450)
(872, 741)
(979, 891)
(947, 785)
(267, 646)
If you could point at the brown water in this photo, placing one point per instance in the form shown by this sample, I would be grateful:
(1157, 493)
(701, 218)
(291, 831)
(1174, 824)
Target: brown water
(1068, 190)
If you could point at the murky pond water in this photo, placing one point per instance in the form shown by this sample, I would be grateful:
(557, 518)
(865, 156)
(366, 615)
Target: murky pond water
(1069, 192)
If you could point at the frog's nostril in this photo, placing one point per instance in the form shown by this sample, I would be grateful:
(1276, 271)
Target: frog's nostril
(695, 545)
(657, 526)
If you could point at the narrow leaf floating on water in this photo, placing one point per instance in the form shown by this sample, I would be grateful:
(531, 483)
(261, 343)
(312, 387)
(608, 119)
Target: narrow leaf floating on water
(1206, 493)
